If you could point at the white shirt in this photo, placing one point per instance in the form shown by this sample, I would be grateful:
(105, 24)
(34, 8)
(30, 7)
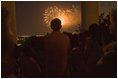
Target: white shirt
(56, 47)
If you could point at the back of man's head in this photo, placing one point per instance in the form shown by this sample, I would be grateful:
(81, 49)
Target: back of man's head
(56, 24)
(93, 29)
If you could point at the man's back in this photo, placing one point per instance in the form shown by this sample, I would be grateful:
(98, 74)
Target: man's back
(56, 48)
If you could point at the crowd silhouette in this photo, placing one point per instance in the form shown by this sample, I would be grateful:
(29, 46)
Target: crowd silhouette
(91, 53)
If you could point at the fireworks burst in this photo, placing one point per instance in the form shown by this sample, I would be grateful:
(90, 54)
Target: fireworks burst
(69, 17)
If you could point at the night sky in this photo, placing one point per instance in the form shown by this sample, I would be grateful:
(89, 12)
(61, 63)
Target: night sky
(30, 19)
(29, 16)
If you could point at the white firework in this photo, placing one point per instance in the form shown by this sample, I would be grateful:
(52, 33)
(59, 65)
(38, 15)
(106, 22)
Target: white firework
(69, 17)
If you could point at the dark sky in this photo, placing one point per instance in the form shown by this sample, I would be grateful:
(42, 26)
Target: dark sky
(29, 16)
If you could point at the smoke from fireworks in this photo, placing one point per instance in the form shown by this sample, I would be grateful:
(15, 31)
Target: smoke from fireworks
(69, 17)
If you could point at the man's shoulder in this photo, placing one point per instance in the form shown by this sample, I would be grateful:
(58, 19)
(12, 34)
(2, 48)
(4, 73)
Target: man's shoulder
(61, 35)
(66, 36)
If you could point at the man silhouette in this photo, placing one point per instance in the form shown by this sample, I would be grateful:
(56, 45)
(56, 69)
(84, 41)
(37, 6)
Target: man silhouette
(56, 47)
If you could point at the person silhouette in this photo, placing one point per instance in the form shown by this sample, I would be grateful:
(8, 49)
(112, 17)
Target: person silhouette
(56, 46)
(8, 61)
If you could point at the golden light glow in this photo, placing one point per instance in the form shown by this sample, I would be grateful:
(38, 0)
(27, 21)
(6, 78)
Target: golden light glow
(63, 19)
(69, 17)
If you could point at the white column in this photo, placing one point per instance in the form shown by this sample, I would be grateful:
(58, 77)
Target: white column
(90, 13)
(10, 5)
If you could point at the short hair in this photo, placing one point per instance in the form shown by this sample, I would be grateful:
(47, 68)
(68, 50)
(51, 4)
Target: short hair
(93, 29)
(56, 24)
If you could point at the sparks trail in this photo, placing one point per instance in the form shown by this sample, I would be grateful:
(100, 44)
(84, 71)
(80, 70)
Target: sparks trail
(68, 16)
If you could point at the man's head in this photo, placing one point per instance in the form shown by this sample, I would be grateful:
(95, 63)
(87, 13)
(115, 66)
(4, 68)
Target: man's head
(93, 29)
(56, 24)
